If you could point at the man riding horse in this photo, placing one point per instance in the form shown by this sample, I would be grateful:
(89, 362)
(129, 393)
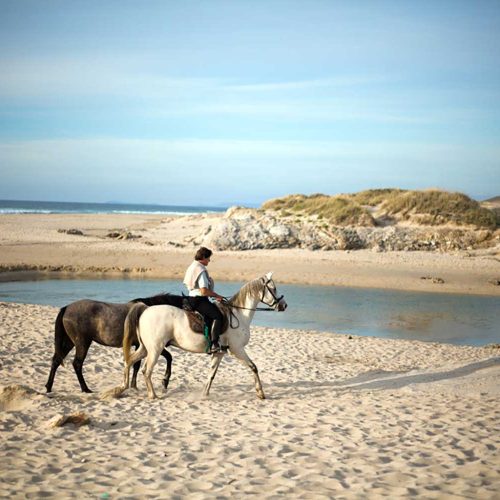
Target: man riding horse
(200, 287)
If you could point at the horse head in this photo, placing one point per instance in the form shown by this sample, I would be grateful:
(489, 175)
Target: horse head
(270, 294)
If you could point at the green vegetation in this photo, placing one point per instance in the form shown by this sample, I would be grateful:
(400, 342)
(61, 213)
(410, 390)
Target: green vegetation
(374, 197)
(431, 207)
(435, 207)
(336, 210)
(493, 204)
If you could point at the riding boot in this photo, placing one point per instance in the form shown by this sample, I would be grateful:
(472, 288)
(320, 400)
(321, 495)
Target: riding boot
(215, 334)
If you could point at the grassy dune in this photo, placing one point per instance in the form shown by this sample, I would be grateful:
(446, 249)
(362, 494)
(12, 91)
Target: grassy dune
(336, 210)
(439, 207)
(429, 208)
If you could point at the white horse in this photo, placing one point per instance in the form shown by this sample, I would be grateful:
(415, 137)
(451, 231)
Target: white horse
(159, 326)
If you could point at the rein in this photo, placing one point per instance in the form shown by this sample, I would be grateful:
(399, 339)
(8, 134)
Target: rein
(230, 306)
(234, 322)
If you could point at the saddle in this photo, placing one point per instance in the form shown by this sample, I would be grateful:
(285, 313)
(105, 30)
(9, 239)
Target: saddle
(197, 321)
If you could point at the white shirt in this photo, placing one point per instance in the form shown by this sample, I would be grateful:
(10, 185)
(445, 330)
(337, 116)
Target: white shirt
(197, 277)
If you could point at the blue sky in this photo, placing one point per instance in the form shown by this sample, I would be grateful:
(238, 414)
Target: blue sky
(223, 102)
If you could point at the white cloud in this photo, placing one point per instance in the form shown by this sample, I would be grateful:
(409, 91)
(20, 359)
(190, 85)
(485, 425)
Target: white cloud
(134, 85)
(322, 111)
(112, 151)
(90, 76)
(341, 81)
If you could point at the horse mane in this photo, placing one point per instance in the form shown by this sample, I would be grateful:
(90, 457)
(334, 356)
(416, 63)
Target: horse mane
(160, 298)
(249, 289)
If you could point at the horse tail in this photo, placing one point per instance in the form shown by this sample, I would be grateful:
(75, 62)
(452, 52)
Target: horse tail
(61, 338)
(62, 346)
(131, 333)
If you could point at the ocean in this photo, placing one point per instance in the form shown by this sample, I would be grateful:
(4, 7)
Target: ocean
(63, 207)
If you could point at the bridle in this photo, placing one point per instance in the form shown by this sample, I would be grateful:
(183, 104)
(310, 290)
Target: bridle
(276, 300)
(271, 306)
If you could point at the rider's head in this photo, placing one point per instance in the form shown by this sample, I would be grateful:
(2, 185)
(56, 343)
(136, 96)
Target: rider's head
(203, 254)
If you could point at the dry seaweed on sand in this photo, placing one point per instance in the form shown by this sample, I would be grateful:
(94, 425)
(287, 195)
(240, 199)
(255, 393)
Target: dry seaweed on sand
(78, 419)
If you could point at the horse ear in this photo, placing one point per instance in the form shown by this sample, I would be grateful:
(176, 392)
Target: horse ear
(269, 275)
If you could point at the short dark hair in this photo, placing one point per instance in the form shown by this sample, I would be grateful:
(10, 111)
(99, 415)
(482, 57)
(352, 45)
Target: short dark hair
(203, 253)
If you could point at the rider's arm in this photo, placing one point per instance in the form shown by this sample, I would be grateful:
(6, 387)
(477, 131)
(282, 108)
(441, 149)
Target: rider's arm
(206, 292)
(205, 285)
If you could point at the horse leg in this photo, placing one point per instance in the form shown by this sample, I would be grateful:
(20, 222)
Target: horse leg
(62, 345)
(242, 356)
(133, 384)
(135, 359)
(168, 371)
(57, 360)
(80, 355)
(216, 359)
(151, 360)
(137, 365)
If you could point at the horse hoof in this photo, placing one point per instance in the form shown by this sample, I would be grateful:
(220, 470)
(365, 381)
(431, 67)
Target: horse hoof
(261, 395)
(87, 390)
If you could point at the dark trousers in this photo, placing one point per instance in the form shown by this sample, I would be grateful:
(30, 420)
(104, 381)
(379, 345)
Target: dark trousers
(210, 312)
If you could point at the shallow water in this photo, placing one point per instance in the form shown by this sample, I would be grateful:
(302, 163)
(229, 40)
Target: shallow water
(456, 319)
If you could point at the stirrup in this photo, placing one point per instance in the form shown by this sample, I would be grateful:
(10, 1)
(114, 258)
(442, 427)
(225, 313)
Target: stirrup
(215, 348)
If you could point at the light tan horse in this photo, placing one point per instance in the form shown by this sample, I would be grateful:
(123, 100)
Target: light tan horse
(158, 327)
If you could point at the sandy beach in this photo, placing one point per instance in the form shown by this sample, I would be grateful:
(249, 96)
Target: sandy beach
(344, 418)
(340, 161)
(167, 244)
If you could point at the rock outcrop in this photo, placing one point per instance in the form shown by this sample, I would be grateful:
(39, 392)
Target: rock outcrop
(251, 229)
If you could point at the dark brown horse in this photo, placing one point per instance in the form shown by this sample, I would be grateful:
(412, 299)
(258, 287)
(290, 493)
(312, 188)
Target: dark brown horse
(85, 321)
